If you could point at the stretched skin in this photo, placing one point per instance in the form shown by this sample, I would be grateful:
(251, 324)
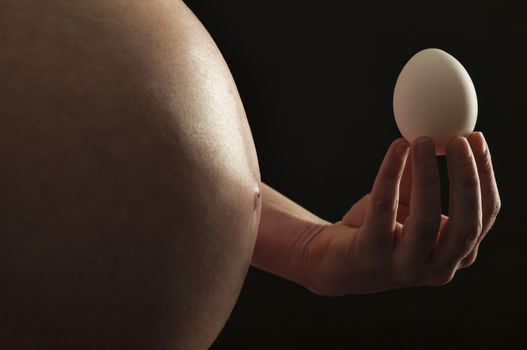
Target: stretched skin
(129, 184)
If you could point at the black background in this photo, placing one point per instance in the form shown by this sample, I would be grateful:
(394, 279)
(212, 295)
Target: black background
(316, 79)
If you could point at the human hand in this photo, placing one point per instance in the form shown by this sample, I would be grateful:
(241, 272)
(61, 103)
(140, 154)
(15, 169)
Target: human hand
(396, 236)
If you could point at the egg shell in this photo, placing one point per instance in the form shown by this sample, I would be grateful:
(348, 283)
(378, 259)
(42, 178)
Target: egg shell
(435, 97)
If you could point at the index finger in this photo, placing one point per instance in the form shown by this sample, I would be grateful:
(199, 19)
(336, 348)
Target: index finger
(379, 223)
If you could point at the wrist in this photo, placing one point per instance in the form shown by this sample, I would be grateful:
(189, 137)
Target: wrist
(284, 249)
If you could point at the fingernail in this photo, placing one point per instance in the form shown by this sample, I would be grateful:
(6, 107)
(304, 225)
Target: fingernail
(461, 149)
(425, 149)
(402, 150)
(481, 146)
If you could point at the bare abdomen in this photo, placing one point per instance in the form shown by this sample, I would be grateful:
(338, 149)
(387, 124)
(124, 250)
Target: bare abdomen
(129, 187)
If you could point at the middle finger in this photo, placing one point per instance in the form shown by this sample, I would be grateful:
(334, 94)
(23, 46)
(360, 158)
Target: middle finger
(420, 229)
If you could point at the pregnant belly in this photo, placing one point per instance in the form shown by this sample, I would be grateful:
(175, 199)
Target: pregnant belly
(129, 195)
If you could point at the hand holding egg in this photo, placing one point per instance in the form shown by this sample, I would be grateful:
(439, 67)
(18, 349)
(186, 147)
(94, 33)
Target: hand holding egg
(396, 236)
(435, 97)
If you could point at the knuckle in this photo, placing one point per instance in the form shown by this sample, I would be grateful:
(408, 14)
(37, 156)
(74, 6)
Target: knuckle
(495, 209)
(492, 215)
(486, 164)
(430, 180)
(471, 231)
(469, 180)
(441, 276)
(469, 260)
(384, 204)
(391, 175)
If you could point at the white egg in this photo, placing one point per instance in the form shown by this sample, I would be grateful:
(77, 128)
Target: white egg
(435, 97)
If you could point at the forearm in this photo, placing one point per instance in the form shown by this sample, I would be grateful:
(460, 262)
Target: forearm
(284, 235)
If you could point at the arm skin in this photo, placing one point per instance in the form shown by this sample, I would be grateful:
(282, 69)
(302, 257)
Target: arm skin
(395, 236)
(284, 235)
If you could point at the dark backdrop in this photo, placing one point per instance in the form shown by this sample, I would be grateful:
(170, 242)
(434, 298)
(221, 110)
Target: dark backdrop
(316, 79)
